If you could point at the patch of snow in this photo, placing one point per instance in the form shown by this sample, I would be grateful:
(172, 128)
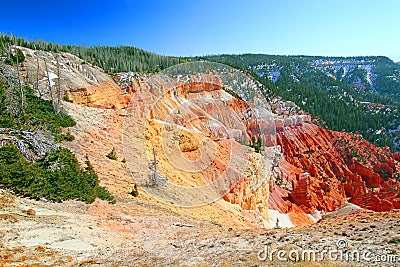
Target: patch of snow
(51, 75)
(294, 78)
(196, 130)
(225, 96)
(274, 75)
(93, 77)
(317, 215)
(73, 245)
(347, 65)
(260, 73)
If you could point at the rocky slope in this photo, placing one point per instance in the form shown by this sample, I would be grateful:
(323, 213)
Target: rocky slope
(319, 171)
(302, 174)
(378, 74)
(323, 169)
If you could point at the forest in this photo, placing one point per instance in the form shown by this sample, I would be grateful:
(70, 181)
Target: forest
(110, 59)
(336, 101)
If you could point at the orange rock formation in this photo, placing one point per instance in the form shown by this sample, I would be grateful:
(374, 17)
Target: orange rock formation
(321, 169)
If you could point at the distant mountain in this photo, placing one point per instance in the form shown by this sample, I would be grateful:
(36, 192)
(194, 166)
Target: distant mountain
(376, 74)
(355, 94)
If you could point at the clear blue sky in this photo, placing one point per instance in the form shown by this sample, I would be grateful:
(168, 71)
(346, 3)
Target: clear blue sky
(198, 27)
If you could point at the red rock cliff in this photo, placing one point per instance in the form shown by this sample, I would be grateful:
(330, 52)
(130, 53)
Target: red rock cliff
(322, 169)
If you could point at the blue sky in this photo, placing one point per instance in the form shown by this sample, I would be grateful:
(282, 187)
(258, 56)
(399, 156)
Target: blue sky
(199, 27)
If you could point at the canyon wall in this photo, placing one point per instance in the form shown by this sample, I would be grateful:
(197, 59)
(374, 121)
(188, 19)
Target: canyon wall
(315, 170)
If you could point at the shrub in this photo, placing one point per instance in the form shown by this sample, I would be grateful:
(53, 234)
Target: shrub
(65, 137)
(395, 240)
(57, 176)
(256, 144)
(135, 191)
(15, 57)
(41, 115)
(67, 99)
(112, 155)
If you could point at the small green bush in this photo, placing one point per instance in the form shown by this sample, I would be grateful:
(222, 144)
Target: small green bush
(16, 56)
(65, 137)
(135, 191)
(112, 155)
(395, 241)
(67, 99)
(256, 144)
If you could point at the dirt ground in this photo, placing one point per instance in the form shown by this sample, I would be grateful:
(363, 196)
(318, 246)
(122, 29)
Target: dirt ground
(137, 232)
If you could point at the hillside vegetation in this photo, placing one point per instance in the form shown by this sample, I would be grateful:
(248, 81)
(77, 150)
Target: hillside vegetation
(110, 59)
(57, 175)
(359, 95)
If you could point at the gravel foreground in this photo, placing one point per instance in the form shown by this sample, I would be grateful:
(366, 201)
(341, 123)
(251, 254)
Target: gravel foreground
(139, 233)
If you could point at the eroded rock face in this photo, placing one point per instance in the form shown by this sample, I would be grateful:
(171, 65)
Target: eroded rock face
(104, 94)
(212, 115)
(375, 167)
(187, 142)
(371, 178)
(323, 168)
(319, 170)
(33, 145)
(308, 173)
(98, 104)
(252, 190)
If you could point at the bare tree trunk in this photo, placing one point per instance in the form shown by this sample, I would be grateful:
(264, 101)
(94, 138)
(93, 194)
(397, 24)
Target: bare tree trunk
(58, 86)
(155, 166)
(37, 74)
(9, 53)
(21, 89)
(50, 89)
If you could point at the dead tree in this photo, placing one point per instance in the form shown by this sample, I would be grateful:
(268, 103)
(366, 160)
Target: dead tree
(37, 74)
(9, 53)
(58, 86)
(21, 89)
(33, 145)
(153, 168)
(50, 88)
